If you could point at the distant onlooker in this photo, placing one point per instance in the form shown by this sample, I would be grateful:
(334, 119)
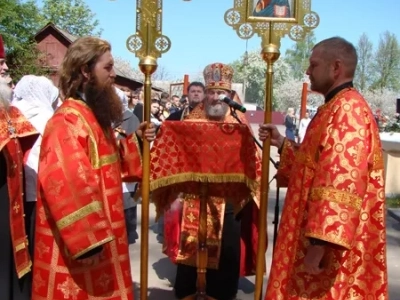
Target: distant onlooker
(167, 107)
(175, 104)
(155, 113)
(164, 97)
(303, 126)
(290, 124)
(183, 101)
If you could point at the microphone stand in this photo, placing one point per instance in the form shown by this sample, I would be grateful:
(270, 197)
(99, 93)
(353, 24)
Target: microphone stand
(276, 165)
(234, 114)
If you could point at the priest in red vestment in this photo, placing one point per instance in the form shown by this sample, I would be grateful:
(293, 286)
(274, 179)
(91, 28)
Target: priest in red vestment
(17, 136)
(81, 247)
(231, 248)
(331, 242)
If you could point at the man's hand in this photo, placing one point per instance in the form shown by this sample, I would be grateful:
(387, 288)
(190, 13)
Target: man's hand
(313, 258)
(267, 130)
(149, 134)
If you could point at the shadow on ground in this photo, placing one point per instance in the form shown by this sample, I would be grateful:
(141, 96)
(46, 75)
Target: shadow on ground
(246, 286)
(154, 293)
(165, 270)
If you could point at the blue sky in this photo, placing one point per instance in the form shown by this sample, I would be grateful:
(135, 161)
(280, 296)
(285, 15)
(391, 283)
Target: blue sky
(200, 36)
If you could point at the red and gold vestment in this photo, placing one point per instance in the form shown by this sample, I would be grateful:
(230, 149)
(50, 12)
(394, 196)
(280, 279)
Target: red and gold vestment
(80, 208)
(335, 193)
(17, 137)
(181, 226)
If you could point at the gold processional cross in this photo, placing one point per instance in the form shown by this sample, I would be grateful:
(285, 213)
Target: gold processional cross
(272, 21)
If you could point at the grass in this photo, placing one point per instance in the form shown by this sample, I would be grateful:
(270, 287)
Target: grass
(393, 201)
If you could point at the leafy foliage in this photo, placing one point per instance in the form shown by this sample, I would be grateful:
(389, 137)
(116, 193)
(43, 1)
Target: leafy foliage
(365, 71)
(73, 16)
(250, 70)
(21, 20)
(387, 62)
(297, 57)
(377, 75)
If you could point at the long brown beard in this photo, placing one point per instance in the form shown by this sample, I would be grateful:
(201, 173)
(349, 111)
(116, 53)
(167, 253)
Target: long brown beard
(104, 102)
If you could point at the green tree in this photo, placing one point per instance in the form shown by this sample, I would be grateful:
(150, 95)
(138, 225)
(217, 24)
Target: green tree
(19, 22)
(250, 70)
(73, 16)
(387, 62)
(297, 57)
(364, 74)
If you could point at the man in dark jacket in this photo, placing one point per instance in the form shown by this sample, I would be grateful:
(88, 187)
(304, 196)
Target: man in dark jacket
(195, 92)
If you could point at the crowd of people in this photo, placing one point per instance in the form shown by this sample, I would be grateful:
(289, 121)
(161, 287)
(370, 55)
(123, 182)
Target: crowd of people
(71, 158)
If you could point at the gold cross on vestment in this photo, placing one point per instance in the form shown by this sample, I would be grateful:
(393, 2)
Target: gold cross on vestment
(16, 207)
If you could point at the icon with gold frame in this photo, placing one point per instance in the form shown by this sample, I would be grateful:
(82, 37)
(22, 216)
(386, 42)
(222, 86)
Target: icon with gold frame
(272, 19)
(272, 10)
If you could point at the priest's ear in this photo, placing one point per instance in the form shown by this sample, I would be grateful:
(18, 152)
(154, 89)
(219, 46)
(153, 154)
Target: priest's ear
(339, 69)
(86, 72)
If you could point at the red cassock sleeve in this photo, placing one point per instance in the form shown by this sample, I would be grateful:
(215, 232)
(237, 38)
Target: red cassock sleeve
(131, 158)
(289, 149)
(70, 186)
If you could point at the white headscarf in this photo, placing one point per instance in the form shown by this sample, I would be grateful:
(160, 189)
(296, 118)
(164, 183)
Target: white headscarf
(123, 98)
(34, 96)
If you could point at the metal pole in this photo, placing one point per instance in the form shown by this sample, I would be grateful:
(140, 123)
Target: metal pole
(148, 66)
(270, 54)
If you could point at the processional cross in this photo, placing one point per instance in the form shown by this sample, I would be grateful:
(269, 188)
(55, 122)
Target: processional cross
(271, 20)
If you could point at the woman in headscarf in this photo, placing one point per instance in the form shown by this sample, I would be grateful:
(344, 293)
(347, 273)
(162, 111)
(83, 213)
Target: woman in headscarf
(37, 98)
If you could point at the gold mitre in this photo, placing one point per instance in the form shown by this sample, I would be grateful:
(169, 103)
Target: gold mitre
(218, 76)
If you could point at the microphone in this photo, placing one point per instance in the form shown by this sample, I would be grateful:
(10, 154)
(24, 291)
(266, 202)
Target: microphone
(232, 103)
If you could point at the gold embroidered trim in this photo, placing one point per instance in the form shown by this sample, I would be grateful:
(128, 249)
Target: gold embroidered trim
(108, 159)
(25, 270)
(330, 238)
(21, 246)
(252, 184)
(191, 236)
(93, 151)
(81, 213)
(136, 141)
(91, 247)
(334, 195)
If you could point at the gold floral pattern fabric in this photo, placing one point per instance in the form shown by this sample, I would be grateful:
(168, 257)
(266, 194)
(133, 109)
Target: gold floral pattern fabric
(336, 194)
(80, 208)
(192, 145)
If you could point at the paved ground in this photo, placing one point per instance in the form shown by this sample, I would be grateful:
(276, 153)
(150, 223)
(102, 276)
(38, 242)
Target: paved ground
(162, 271)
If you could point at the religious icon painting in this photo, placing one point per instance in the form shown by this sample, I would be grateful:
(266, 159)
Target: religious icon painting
(272, 10)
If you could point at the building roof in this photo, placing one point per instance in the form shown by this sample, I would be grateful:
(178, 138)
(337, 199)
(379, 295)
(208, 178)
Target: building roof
(70, 38)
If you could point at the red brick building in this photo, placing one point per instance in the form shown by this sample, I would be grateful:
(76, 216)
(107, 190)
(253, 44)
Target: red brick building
(53, 42)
